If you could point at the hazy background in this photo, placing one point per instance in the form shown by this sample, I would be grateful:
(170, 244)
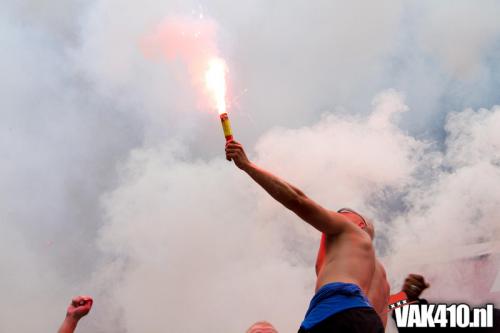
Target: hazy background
(114, 182)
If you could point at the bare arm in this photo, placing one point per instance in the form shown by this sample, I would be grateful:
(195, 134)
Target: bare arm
(291, 197)
(68, 325)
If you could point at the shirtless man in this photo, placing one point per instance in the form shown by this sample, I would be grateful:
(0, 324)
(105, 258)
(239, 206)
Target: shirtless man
(351, 289)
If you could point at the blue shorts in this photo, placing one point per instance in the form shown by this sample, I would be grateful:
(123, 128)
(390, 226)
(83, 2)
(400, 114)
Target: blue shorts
(333, 298)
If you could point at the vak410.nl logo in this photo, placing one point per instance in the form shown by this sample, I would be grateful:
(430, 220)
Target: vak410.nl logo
(409, 314)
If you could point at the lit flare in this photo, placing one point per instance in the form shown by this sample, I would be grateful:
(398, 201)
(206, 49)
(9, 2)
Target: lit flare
(215, 80)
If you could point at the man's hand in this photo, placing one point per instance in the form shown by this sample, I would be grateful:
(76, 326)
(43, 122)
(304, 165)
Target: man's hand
(236, 153)
(80, 306)
(414, 285)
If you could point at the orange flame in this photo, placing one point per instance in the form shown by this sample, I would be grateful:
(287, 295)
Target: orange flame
(215, 81)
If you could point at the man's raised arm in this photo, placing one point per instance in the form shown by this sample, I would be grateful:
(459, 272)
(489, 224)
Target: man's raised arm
(291, 197)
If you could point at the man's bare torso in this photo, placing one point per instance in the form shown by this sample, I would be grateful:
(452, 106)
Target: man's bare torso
(350, 257)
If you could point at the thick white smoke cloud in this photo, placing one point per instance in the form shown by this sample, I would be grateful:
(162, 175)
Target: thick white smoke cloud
(114, 182)
(456, 209)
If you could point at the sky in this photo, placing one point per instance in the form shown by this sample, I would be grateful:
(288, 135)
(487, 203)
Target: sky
(114, 178)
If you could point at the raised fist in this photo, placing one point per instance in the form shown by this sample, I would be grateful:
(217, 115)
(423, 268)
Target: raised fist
(79, 307)
(414, 285)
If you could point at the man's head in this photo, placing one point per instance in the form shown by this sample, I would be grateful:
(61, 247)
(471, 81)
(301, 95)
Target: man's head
(359, 220)
(262, 327)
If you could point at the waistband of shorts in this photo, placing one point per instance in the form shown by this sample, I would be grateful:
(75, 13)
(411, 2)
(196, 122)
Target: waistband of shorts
(333, 298)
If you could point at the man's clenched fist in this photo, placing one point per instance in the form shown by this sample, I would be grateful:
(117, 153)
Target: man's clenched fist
(414, 285)
(236, 153)
(79, 307)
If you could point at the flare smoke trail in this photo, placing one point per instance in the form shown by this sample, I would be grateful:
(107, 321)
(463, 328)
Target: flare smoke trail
(115, 184)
